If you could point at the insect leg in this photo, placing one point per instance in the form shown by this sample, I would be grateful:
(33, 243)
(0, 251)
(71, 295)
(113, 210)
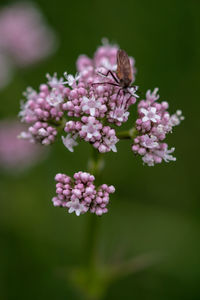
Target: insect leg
(126, 106)
(119, 92)
(112, 74)
(115, 84)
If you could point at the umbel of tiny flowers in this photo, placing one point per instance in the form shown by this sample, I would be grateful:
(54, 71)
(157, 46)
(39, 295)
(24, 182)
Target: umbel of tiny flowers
(153, 124)
(80, 195)
(90, 107)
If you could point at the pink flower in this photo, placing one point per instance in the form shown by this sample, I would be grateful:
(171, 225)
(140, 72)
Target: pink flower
(70, 142)
(71, 80)
(43, 110)
(149, 141)
(91, 129)
(150, 114)
(90, 105)
(119, 114)
(54, 98)
(75, 206)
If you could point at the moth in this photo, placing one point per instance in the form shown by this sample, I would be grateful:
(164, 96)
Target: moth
(123, 77)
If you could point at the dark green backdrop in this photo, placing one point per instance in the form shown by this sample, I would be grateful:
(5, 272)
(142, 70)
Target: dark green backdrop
(153, 209)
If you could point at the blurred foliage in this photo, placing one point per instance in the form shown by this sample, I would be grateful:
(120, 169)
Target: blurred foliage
(154, 210)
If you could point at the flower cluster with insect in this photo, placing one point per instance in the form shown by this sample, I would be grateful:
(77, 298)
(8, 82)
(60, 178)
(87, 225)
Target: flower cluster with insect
(91, 106)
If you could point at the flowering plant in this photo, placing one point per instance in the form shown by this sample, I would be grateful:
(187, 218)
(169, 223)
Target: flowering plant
(90, 106)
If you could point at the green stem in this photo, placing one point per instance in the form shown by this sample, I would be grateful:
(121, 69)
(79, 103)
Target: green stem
(92, 242)
(127, 134)
(95, 167)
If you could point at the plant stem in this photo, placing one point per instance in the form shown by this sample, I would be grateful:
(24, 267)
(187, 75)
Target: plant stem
(92, 242)
(127, 134)
(95, 166)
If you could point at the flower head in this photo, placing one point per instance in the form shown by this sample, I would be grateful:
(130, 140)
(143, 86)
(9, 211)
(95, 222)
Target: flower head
(80, 194)
(153, 124)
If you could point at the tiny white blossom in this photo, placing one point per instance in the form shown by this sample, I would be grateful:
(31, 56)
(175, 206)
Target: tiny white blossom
(150, 141)
(91, 128)
(42, 132)
(148, 159)
(53, 81)
(161, 129)
(150, 114)
(110, 142)
(71, 79)
(119, 114)
(176, 118)
(133, 90)
(165, 154)
(75, 206)
(90, 105)
(23, 109)
(151, 97)
(30, 93)
(70, 142)
(54, 99)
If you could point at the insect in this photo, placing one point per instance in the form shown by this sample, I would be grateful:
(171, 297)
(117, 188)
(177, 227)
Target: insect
(123, 76)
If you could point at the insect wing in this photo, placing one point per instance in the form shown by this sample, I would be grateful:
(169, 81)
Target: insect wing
(123, 66)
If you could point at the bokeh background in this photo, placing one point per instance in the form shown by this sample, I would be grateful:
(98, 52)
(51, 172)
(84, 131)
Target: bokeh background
(155, 209)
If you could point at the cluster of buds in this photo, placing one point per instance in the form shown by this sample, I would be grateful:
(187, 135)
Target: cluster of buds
(153, 123)
(43, 111)
(80, 194)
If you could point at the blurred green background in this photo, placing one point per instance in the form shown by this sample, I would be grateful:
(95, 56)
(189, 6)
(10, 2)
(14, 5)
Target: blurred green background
(154, 210)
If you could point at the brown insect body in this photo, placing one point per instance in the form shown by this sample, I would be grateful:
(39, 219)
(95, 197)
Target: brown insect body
(124, 72)
(123, 76)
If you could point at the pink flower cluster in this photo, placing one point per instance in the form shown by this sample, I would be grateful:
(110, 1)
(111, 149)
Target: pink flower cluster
(89, 106)
(153, 123)
(40, 132)
(43, 111)
(80, 195)
(89, 97)
(91, 130)
(99, 101)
